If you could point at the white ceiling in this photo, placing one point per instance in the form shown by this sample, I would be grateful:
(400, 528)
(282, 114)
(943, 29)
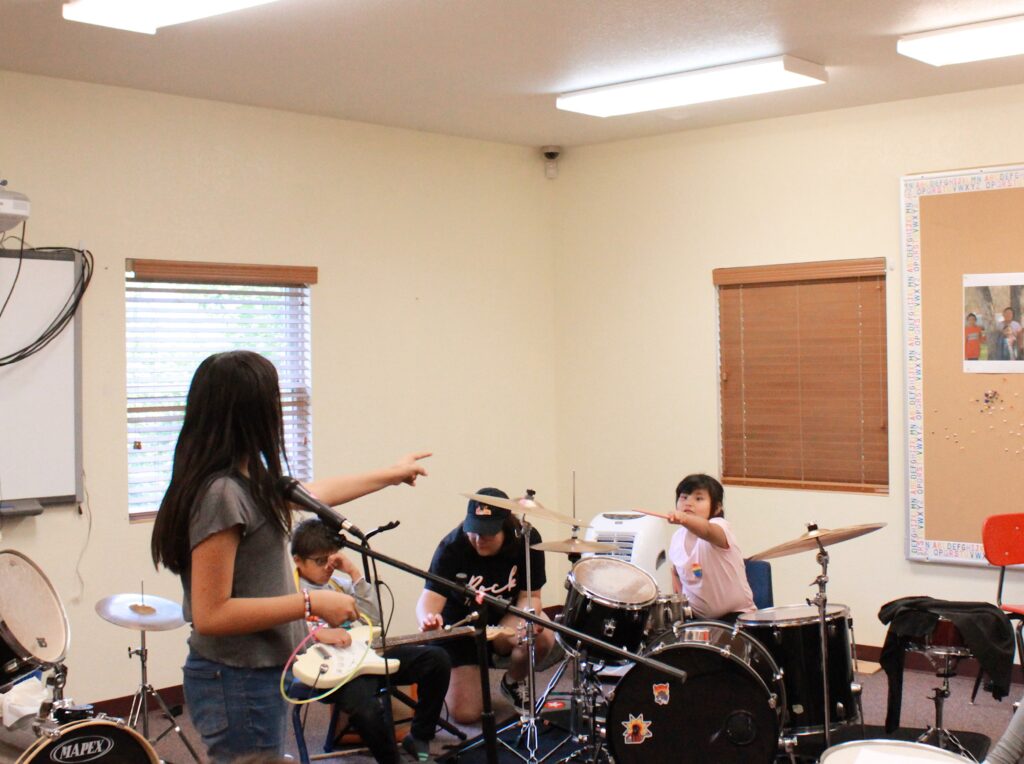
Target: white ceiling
(490, 69)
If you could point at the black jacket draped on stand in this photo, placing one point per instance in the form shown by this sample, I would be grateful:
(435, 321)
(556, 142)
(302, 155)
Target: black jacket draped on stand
(985, 629)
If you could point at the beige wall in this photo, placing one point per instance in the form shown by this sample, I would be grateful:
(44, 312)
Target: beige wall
(642, 225)
(431, 322)
(521, 328)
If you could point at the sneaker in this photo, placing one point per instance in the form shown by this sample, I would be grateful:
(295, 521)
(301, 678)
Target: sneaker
(516, 693)
(418, 749)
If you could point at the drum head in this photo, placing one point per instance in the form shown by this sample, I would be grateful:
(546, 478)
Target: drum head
(886, 752)
(32, 618)
(614, 582)
(791, 615)
(722, 713)
(93, 740)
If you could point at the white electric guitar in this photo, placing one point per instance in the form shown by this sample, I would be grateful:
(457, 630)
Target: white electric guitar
(324, 666)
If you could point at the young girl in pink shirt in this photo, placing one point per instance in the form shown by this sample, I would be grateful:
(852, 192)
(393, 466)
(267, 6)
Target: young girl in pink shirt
(707, 565)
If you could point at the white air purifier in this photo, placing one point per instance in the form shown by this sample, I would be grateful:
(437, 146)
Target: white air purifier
(641, 539)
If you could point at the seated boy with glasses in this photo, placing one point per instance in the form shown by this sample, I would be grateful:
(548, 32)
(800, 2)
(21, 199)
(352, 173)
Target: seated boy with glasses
(320, 564)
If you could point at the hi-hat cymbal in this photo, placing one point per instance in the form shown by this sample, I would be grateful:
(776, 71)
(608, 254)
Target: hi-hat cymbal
(810, 540)
(140, 612)
(527, 507)
(574, 546)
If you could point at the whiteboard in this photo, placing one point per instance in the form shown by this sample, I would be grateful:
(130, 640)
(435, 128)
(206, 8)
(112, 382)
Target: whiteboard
(40, 397)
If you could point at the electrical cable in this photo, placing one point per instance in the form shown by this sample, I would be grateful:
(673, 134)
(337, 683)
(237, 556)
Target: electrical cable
(17, 273)
(66, 313)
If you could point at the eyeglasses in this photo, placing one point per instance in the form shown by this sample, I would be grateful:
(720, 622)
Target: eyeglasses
(320, 562)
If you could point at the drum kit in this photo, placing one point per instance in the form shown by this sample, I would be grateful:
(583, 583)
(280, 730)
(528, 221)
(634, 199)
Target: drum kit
(34, 637)
(773, 686)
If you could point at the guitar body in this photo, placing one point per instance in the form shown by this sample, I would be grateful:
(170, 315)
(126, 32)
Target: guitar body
(325, 666)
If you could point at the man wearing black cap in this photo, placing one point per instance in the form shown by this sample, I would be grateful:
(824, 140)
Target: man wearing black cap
(486, 551)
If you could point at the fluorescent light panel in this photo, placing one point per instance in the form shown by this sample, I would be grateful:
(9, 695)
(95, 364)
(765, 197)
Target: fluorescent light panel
(972, 42)
(147, 16)
(716, 84)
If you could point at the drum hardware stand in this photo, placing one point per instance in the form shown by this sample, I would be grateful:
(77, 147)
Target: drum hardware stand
(140, 704)
(821, 600)
(528, 721)
(943, 738)
(787, 748)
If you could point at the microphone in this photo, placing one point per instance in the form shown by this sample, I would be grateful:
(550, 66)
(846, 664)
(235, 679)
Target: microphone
(293, 491)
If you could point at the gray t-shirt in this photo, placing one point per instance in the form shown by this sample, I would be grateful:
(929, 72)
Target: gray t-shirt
(262, 569)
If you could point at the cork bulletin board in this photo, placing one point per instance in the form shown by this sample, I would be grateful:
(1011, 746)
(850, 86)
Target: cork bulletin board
(963, 252)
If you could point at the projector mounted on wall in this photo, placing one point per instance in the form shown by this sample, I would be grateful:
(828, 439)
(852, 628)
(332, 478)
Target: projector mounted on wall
(14, 207)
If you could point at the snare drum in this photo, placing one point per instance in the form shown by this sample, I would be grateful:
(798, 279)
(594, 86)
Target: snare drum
(791, 634)
(728, 711)
(666, 612)
(886, 752)
(33, 624)
(609, 600)
(104, 741)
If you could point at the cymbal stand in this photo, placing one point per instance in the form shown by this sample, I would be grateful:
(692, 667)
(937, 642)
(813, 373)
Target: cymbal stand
(821, 600)
(528, 721)
(140, 704)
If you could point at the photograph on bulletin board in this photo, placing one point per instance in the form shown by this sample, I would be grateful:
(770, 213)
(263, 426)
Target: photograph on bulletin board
(993, 340)
(963, 232)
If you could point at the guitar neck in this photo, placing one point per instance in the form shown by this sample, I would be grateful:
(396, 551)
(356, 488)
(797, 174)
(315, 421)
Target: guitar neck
(424, 637)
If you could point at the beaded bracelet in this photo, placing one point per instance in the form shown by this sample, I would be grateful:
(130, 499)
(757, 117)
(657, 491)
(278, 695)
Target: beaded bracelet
(308, 605)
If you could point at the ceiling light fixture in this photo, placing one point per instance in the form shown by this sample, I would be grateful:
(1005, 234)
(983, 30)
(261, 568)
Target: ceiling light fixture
(972, 42)
(698, 86)
(147, 16)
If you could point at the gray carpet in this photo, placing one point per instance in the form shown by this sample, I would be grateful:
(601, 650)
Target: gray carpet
(987, 717)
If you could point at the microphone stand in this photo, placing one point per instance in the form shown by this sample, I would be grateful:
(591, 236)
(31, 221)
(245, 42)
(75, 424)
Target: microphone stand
(483, 601)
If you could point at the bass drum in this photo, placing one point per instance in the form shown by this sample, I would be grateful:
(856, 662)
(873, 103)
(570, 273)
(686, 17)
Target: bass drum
(104, 741)
(887, 752)
(33, 624)
(728, 711)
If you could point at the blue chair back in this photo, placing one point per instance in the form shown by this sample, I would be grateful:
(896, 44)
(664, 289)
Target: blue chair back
(759, 576)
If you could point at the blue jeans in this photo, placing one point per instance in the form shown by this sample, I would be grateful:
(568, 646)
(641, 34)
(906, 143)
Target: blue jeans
(235, 710)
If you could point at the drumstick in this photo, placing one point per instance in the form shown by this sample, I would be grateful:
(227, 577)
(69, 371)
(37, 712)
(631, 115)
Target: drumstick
(652, 514)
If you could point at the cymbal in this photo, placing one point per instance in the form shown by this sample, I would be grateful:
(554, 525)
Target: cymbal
(527, 507)
(809, 540)
(140, 612)
(574, 546)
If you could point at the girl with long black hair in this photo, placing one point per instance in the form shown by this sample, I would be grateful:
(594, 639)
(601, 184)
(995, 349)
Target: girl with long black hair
(223, 527)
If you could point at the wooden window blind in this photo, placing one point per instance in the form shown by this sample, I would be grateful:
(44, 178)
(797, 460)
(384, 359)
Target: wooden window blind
(803, 375)
(178, 313)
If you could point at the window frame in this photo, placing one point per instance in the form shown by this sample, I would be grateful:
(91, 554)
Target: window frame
(803, 274)
(297, 405)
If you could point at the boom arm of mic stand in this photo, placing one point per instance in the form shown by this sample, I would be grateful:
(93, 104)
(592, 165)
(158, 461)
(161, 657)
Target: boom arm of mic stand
(505, 607)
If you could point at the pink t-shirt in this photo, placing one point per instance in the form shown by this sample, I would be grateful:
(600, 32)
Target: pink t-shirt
(714, 579)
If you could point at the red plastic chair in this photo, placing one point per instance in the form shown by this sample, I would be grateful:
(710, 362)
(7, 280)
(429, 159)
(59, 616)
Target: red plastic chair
(1002, 537)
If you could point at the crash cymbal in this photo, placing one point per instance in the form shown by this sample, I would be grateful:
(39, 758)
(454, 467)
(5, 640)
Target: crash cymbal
(527, 507)
(574, 546)
(809, 541)
(140, 612)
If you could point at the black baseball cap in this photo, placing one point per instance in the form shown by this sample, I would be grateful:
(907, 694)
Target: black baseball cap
(482, 518)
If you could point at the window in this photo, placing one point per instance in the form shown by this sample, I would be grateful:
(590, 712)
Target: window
(177, 313)
(803, 375)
